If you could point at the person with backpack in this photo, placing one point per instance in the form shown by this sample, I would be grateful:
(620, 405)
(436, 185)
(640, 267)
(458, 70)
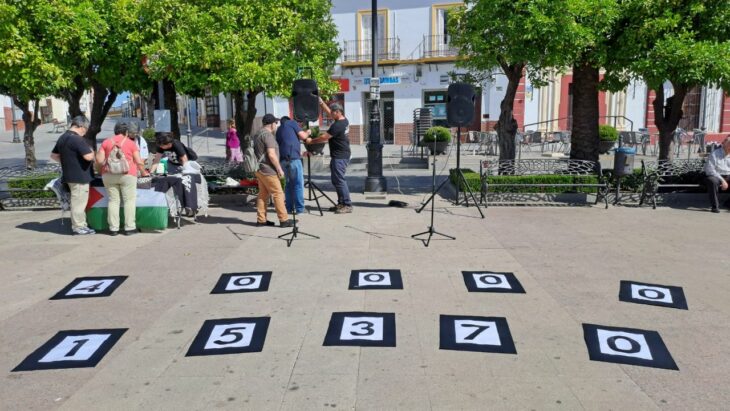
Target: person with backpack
(77, 159)
(119, 160)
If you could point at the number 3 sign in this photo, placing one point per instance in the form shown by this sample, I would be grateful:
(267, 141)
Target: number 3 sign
(361, 329)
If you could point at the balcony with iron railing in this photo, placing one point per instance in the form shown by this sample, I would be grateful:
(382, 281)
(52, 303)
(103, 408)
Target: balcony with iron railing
(359, 52)
(438, 47)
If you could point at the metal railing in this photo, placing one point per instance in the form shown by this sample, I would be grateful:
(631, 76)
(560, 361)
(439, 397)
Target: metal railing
(438, 46)
(358, 51)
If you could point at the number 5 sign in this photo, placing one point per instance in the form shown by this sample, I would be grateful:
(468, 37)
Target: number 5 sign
(230, 336)
(72, 349)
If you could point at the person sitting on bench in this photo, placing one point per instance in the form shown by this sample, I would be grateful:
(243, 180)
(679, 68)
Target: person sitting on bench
(717, 169)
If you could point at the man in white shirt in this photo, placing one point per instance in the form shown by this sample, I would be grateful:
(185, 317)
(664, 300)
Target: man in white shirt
(717, 169)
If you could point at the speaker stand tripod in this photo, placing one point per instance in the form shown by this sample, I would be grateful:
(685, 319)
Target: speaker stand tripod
(431, 230)
(295, 230)
(314, 192)
(461, 180)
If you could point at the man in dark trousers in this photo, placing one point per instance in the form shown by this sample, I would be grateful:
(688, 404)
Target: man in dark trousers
(77, 159)
(339, 143)
(717, 170)
(288, 136)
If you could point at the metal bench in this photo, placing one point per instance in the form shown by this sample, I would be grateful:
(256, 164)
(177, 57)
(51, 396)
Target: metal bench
(219, 170)
(677, 174)
(536, 167)
(57, 124)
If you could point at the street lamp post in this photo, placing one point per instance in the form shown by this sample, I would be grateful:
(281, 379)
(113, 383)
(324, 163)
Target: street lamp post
(190, 132)
(375, 182)
(16, 136)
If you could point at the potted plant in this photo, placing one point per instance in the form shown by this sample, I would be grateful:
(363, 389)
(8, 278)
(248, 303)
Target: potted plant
(148, 135)
(315, 149)
(607, 136)
(437, 139)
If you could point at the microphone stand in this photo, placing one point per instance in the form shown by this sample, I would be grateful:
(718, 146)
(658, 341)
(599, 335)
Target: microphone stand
(295, 230)
(431, 230)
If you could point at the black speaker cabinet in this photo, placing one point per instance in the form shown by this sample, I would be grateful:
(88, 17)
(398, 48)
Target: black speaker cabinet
(305, 96)
(460, 104)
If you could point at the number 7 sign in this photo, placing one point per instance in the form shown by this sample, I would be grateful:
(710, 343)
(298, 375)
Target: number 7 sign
(482, 334)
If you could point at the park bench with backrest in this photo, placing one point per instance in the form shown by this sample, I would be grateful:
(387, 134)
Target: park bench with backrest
(672, 175)
(585, 175)
(59, 126)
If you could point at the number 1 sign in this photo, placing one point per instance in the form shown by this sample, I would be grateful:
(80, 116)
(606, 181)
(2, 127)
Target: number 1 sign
(72, 349)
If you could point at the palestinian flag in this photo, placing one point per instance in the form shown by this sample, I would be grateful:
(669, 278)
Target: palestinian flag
(151, 209)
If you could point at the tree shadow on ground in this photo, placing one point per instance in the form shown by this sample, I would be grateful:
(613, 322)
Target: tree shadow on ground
(52, 226)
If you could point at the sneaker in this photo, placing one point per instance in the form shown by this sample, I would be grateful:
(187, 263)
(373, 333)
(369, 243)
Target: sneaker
(83, 231)
(286, 224)
(344, 210)
(267, 223)
(337, 207)
(715, 210)
(113, 233)
(130, 232)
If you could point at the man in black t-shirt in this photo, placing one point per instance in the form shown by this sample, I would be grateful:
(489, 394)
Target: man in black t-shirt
(77, 159)
(339, 142)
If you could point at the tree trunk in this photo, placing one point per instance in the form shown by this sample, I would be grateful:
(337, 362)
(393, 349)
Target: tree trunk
(507, 125)
(667, 118)
(148, 109)
(584, 133)
(32, 122)
(101, 103)
(171, 104)
(73, 97)
(245, 115)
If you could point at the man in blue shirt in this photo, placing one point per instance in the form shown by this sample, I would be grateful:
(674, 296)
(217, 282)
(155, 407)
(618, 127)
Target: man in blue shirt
(288, 136)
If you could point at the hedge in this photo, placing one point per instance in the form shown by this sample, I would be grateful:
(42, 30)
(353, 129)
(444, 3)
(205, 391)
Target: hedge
(31, 183)
(471, 177)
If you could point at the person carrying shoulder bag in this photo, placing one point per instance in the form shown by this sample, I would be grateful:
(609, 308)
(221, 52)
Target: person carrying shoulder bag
(119, 159)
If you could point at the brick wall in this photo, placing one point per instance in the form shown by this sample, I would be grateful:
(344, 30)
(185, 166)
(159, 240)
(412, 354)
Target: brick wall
(725, 116)
(650, 123)
(488, 125)
(7, 112)
(402, 132)
(355, 135)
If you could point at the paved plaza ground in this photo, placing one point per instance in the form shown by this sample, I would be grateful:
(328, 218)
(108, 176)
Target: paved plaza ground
(570, 261)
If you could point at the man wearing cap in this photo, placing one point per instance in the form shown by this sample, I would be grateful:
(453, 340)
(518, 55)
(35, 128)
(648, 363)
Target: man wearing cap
(339, 143)
(288, 136)
(269, 173)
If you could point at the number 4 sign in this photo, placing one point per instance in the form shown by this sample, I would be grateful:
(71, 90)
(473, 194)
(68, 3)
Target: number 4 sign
(230, 336)
(86, 287)
(72, 349)
(482, 334)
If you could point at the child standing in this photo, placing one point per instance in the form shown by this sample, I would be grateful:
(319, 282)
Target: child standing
(233, 144)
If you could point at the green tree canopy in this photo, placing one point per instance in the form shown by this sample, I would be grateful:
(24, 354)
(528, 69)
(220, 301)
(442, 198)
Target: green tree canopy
(31, 37)
(685, 43)
(246, 47)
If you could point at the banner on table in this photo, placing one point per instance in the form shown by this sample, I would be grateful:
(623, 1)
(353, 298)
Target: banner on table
(152, 209)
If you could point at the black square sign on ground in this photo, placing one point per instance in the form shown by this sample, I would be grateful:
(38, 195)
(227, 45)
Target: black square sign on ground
(230, 336)
(254, 281)
(627, 346)
(361, 329)
(491, 282)
(652, 294)
(376, 280)
(482, 334)
(87, 287)
(72, 349)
